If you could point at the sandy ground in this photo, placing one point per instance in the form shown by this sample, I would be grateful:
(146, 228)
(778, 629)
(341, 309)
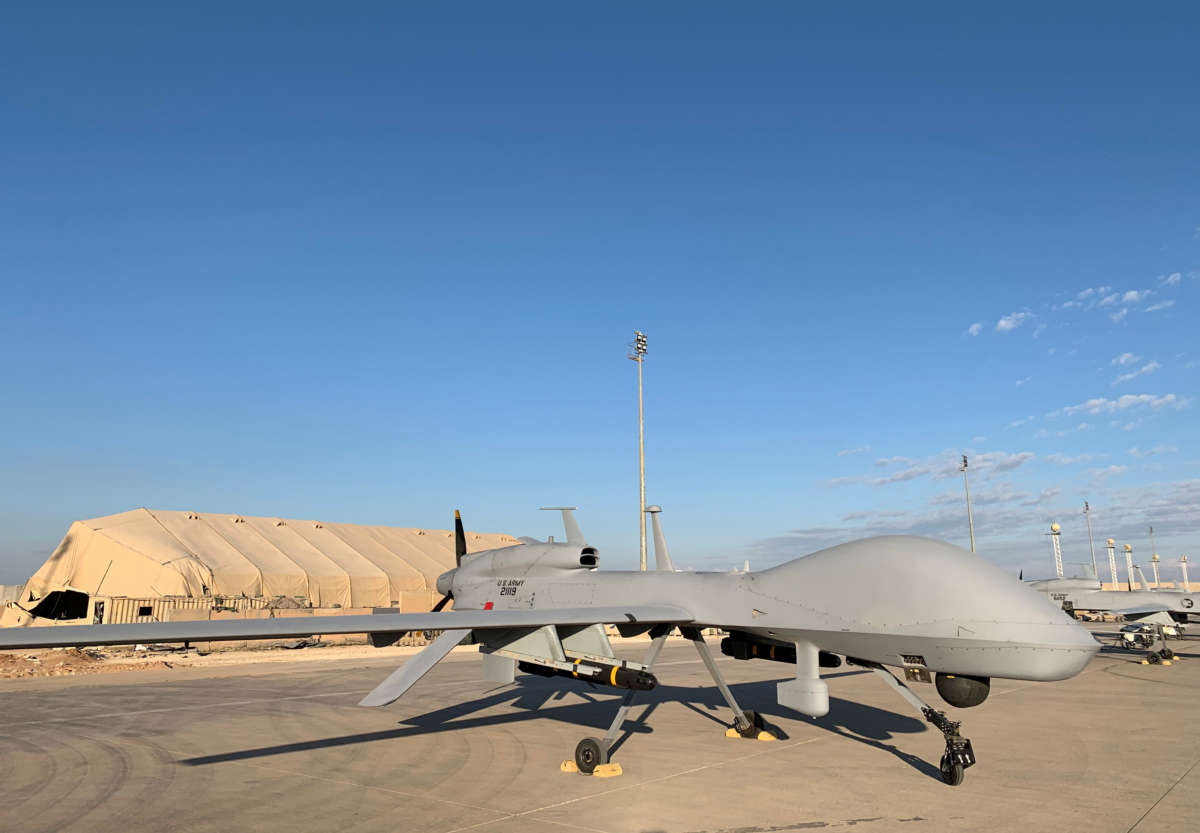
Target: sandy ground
(282, 747)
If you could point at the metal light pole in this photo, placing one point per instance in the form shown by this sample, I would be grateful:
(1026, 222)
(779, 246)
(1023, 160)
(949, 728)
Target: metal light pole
(1087, 513)
(1154, 557)
(1187, 588)
(1112, 563)
(1055, 531)
(638, 354)
(967, 487)
(1129, 566)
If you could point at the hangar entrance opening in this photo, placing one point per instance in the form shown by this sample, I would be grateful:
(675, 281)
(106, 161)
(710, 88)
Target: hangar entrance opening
(62, 604)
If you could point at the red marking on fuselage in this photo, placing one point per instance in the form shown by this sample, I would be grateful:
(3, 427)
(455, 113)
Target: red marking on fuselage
(487, 606)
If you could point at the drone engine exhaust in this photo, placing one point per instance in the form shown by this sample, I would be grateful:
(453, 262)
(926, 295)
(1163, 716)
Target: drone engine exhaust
(617, 676)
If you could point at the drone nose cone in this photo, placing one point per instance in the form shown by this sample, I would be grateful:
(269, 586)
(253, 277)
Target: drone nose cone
(444, 581)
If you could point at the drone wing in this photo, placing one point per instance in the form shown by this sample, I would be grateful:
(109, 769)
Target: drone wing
(65, 636)
(1140, 610)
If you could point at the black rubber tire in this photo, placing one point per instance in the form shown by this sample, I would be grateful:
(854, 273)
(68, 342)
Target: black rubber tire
(952, 771)
(589, 754)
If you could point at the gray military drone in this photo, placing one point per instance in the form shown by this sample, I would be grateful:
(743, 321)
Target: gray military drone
(932, 609)
(1086, 594)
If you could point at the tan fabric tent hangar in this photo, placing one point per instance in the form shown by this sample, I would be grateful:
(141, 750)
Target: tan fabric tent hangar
(148, 553)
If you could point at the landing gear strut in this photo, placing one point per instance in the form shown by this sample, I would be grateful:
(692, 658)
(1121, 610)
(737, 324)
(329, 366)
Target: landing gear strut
(959, 754)
(748, 724)
(591, 754)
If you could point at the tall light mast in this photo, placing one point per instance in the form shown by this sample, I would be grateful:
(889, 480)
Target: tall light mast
(967, 487)
(1129, 565)
(1087, 513)
(1055, 530)
(1154, 557)
(1112, 562)
(1187, 588)
(637, 353)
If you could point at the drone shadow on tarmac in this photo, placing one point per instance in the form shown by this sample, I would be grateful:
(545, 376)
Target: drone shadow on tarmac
(532, 698)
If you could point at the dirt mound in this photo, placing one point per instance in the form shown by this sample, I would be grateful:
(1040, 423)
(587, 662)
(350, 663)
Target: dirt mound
(58, 662)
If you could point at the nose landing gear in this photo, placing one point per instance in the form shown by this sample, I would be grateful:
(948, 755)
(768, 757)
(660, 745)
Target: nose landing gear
(959, 754)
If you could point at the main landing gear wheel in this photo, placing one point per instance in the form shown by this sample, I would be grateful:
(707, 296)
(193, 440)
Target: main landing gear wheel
(750, 724)
(952, 771)
(590, 754)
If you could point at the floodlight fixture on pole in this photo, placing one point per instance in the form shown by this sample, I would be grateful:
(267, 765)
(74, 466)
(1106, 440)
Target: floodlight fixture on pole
(967, 488)
(637, 353)
(1154, 567)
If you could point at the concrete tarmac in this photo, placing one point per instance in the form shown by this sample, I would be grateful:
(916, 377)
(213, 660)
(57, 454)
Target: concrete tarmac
(285, 748)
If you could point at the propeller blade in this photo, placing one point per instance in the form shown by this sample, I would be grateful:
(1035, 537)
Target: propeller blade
(460, 539)
(437, 608)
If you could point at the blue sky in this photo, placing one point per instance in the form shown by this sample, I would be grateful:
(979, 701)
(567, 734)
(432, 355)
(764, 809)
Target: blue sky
(370, 264)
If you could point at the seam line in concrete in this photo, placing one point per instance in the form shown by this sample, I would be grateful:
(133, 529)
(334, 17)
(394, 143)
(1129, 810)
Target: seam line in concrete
(230, 703)
(645, 783)
(1164, 795)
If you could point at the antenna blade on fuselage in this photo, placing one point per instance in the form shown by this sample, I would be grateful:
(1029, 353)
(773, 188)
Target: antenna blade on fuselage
(662, 556)
(574, 536)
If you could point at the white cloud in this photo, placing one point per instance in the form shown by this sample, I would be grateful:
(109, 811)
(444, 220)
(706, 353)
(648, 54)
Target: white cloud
(848, 451)
(939, 466)
(1006, 530)
(1172, 279)
(1001, 460)
(1125, 359)
(1118, 317)
(1038, 330)
(841, 481)
(1017, 423)
(1024, 381)
(1110, 471)
(1161, 305)
(975, 329)
(1150, 452)
(1051, 351)
(1064, 460)
(1109, 300)
(1011, 322)
(1101, 405)
(901, 476)
(1149, 367)
(1135, 296)
(1070, 304)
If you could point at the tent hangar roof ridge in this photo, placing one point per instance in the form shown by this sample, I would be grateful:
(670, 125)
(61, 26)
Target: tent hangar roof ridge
(396, 559)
